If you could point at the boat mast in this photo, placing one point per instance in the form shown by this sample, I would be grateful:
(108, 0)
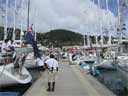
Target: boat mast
(21, 24)
(13, 37)
(119, 40)
(108, 26)
(88, 36)
(100, 24)
(95, 27)
(6, 20)
(36, 14)
(28, 15)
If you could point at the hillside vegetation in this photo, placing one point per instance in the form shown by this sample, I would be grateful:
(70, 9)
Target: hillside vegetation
(59, 38)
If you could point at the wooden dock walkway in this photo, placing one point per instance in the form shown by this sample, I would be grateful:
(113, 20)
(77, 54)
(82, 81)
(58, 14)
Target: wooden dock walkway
(71, 81)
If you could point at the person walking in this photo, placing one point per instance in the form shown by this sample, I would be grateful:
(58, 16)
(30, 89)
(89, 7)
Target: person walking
(52, 65)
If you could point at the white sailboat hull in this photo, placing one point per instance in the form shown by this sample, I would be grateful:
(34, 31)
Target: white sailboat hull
(8, 77)
(83, 59)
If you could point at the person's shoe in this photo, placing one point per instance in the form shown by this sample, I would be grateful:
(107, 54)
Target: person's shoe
(53, 86)
(49, 85)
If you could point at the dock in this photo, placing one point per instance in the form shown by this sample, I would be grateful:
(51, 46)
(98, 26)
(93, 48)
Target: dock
(71, 81)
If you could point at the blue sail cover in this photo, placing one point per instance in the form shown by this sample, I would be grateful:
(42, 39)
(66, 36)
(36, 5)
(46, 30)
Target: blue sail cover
(8, 94)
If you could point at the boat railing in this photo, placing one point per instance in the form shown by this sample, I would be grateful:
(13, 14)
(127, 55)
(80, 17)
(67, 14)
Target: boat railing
(18, 64)
(5, 57)
(16, 57)
(21, 54)
(23, 50)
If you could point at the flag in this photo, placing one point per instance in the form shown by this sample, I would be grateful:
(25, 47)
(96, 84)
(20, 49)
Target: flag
(30, 36)
(30, 40)
(31, 30)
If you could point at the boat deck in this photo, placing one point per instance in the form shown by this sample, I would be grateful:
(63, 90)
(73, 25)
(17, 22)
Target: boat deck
(71, 81)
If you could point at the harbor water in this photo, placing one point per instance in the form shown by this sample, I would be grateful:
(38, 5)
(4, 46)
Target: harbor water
(113, 81)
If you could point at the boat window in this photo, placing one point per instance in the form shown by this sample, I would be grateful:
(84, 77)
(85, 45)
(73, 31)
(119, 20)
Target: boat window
(9, 33)
(17, 33)
(1, 33)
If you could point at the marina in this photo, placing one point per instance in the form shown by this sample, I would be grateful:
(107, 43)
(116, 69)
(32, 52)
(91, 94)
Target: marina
(63, 48)
(71, 81)
(107, 78)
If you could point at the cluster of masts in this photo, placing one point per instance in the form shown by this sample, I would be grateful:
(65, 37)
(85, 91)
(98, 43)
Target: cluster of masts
(15, 32)
(121, 18)
(121, 29)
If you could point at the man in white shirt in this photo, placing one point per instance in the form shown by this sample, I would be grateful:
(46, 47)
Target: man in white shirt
(4, 47)
(52, 65)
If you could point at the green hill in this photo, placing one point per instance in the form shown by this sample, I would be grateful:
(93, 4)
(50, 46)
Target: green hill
(59, 38)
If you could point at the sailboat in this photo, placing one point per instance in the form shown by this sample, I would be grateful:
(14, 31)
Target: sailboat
(121, 60)
(14, 72)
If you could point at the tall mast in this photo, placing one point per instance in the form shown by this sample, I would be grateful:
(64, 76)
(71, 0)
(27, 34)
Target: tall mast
(118, 8)
(107, 5)
(28, 15)
(13, 37)
(108, 26)
(95, 28)
(21, 24)
(6, 20)
(36, 14)
(100, 23)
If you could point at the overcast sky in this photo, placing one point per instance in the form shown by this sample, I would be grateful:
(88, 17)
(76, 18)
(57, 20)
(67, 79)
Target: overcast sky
(81, 16)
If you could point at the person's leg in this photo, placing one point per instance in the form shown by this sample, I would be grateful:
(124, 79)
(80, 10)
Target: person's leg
(53, 80)
(49, 81)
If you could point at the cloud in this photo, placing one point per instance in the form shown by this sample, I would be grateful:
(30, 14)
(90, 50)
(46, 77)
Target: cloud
(75, 15)
(81, 16)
